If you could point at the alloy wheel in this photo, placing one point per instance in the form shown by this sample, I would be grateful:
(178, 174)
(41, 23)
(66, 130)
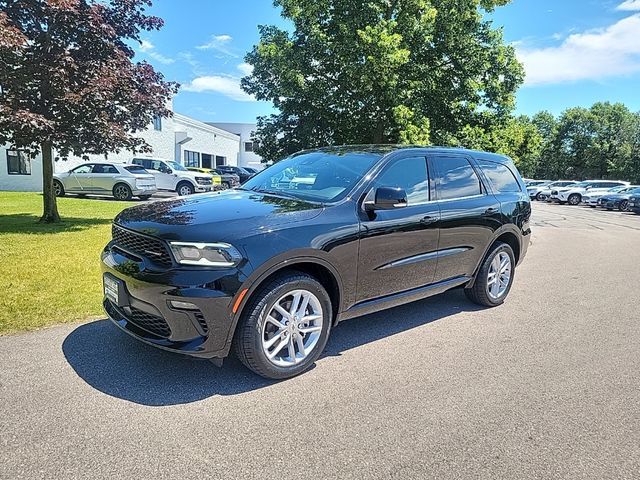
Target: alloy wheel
(624, 206)
(184, 190)
(574, 199)
(499, 275)
(120, 192)
(292, 328)
(57, 189)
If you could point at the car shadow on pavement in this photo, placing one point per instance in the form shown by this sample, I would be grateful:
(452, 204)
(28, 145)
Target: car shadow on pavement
(114, 363)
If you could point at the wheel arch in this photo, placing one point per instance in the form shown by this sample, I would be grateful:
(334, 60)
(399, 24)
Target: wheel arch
(506, 234)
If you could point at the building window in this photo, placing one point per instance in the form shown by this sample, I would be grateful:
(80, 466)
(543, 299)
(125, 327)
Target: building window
(18, 163)
(191, 159)
(248, 146)
(157, 123)
(220, 161)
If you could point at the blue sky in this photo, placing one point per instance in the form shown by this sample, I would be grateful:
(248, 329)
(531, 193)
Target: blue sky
(575, 52)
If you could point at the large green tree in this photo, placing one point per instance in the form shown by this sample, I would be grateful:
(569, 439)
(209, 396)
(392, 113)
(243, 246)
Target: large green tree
(68, 82)
(381, 71)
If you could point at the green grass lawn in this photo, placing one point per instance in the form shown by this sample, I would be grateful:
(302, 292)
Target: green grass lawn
(51, 273)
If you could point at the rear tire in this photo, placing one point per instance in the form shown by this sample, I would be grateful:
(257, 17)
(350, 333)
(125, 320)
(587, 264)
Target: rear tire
(58, 189)
(481, 292)
(258, 335)
(122, 192)
(539, 197)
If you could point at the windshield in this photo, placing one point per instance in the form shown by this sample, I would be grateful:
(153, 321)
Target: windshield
(315, 176)
(176, 166)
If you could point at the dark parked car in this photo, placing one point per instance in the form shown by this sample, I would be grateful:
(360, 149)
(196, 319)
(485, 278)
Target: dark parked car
(229, 180)
(268, 269)
(620, 200)
(239, 171)
(634, 203)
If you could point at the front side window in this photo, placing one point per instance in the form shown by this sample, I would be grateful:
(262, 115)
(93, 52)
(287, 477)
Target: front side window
(411, 175)
(83, 169)
(191, 159)
(500, 176)
(456, 178)
(18, 163)
(323, 176)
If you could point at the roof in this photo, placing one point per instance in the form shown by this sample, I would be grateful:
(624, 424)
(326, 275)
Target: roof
(384, 149)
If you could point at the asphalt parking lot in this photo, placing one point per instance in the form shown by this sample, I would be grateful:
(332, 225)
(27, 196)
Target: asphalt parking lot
(545, 386)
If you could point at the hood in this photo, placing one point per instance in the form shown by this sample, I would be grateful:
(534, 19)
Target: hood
(192, 174)
(216, 216)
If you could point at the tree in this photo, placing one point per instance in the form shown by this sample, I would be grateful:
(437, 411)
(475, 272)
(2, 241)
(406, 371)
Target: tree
(68, 82)
(382, 71)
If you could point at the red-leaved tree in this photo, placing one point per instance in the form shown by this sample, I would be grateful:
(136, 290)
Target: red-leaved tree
(68, 81)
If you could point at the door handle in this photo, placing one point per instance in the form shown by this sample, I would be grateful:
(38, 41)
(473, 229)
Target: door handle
(428, 220)
(490, 211)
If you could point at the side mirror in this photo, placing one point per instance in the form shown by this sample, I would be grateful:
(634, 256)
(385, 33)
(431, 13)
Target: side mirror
(387, 198)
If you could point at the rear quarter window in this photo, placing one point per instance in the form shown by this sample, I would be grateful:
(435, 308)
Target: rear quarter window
(501, 177)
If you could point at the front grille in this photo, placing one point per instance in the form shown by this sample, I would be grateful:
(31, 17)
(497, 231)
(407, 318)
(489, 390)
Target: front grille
(204, 180)
(148, 247)
(147, 321)
(151, 323)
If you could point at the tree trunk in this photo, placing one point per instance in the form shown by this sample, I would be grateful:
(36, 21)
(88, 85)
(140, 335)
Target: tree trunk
(50, 213)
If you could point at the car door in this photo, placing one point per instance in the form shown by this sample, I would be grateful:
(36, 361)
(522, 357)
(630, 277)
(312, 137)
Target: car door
(165, 179)
(398, 247)
(104, 176)
(469, 215)
(81, 179)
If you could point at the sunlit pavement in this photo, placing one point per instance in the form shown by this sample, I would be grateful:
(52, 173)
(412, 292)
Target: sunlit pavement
(545, 386)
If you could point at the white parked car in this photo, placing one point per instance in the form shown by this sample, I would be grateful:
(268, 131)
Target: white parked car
(591, 198)
(114, 179)
(573, 194)
(174, 177)
(543, 192)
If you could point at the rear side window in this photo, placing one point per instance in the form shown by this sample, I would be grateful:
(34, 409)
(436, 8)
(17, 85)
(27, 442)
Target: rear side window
(500, 176)
(101, 168)
(456, 178)
(409, 174)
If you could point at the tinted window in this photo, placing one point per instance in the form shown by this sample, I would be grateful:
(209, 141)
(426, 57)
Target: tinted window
(322, 176)
(135, 169)
(104, 169)
(409, 174)
(500, 176)
(456, 178)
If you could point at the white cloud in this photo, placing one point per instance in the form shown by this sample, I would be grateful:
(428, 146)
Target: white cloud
(226, 85)
(629, 5)
(150, 49)
(219, 43)
(146, 45)
(161, 58)
(245, 68)
(590, 55)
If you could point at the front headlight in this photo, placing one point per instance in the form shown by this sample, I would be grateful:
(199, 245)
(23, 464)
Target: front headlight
(206, 254)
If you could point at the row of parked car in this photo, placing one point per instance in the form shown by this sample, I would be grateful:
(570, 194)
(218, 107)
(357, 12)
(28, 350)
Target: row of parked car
(608, 194)
(145, 176)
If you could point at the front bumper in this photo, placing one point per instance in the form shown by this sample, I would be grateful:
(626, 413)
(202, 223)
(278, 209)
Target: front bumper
(203, 188)
(143, 307)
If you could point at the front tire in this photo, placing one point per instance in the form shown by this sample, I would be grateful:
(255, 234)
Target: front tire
(495, 277)
(539, 197)
(624, 206)
(58, 189)
(184, 188)
(574, 199)
(284, 326)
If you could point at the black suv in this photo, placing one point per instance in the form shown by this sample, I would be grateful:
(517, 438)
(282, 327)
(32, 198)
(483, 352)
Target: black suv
(243, 174)
(269, 268)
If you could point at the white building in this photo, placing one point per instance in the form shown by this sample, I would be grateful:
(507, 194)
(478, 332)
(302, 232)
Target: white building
(246, 156)
(180, 138)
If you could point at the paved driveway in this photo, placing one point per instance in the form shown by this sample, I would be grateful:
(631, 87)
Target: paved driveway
(546, 386)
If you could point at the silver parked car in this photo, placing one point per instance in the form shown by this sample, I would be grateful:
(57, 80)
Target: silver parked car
(118, 180)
